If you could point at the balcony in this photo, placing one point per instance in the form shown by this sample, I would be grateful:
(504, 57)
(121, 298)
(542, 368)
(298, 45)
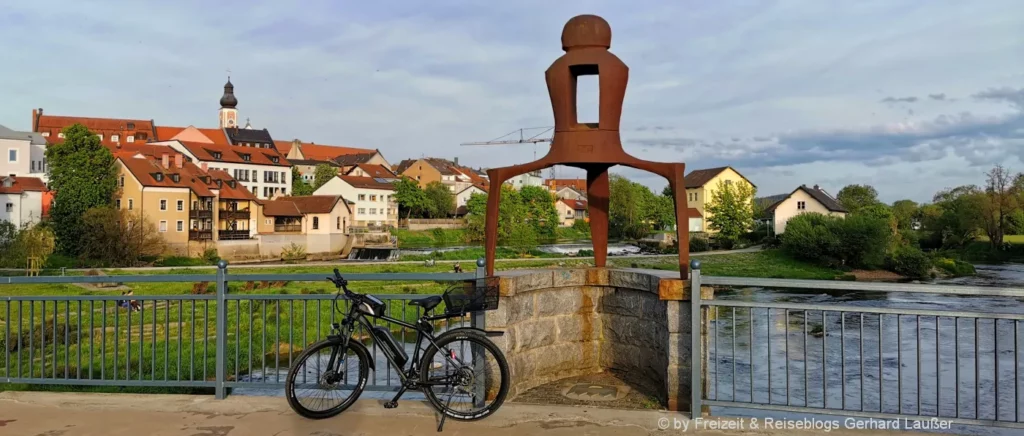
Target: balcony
(287, 228)
(199, 214)
(200, 235)
(232, 235)
(234, 214)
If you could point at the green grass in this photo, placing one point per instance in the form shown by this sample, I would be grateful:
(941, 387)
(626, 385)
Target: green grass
(429, 238)
(767, 264)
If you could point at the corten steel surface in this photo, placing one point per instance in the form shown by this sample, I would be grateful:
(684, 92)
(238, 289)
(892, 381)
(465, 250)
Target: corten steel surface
(594, 147)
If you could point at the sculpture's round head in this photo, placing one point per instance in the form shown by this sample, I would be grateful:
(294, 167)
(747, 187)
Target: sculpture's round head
(586, 31)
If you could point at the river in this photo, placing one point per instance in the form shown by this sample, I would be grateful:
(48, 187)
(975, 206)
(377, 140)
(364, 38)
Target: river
(906, 359)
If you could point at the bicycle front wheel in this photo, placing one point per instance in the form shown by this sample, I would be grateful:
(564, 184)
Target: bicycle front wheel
(466, 376)
(316, 389)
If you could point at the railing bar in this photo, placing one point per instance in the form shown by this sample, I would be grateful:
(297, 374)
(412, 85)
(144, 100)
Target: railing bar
(995, 360)
(152, 363)
(249, 350)
(238, 337)
(92, 330)
(318, 321)
(21, 319)
(56, 343)
(750, 331)
(899, 362)
(938, 362)
(78, 368)
(103, 344)
(1016, 367)
(881, 363)
(206, 337)
(42, 343)
(142, 333)
(856, 309)
(918, 363)
(181, 332)
(860, 351)
(305, 335)
(768, 328)
(977, 372)
(263, 345)
(824, 359)
(786, 339)
(67, 333)
(277, 340)
(842, 357)
(733, 352)
(858, 286)
(117, 338)
(806, 361)
(128, 345)
(192, 346)
(167, 338)
(715, 325)
(7, 337)
(956, 354)
(291, 331)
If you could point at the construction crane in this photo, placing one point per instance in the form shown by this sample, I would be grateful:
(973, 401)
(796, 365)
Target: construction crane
(524, 138)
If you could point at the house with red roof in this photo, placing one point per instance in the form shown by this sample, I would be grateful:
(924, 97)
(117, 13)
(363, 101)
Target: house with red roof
(24, 200)
(373, 199)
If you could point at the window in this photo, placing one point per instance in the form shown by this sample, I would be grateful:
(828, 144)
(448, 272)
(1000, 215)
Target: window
(163, 226)
(100, 136)
(274, 159)
(216, 155)
(362, 211)
(163, 204)
(10, 207)
(284, 191)
(120, 181)
(728, 182)
(373, 198)
(176, 178)
(253, 190)
(60, 135)
(131, 126)
(12, 155)
(246, 157)
(373, 211)
(131, 138)
(339, 223)
(159, 177)
(181, 226)
(316, 223)
(117, 203)
(362, 197)
(801, 205)
(268, 221)
(265, 191)
(114, 138)
(131, 204)
(46, 134)
(181, 205)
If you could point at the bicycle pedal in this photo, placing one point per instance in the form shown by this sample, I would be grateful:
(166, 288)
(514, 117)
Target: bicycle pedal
(390, 404)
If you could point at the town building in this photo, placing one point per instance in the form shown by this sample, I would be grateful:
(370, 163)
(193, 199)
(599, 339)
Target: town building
(570, 193)
(380, 172)
(528, 179)
(557, 185)
(263, 171)
(570, 211)
(700, 188)
(463, 196)
(318, 223)
(374, 204)
(779, 209)
(23, 199)
(111, 131)
(306, 156)
(23, 154)
(449, 173)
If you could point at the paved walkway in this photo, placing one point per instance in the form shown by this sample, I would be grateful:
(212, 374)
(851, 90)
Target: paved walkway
(62, 414)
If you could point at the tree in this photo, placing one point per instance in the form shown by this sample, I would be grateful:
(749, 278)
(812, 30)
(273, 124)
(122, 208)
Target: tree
(856, 197)
(954, 218)
(731, 211)
(627, 212)
(1000, 201)
(18, 245)
(83, 176)
(299, 185)
(119, 237)
(906, 212)
(439, 200)
(540, 210)
(411, 199)
(323, 174)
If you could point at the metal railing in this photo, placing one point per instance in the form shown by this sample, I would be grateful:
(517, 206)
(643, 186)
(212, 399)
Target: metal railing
(865, 362)
(220, 340)
(286, 228)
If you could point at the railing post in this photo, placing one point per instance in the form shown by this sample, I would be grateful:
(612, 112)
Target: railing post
(222, 328)
(696, 340)
(478, 319)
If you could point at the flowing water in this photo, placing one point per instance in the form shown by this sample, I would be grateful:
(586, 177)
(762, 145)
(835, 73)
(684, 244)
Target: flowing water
(855, 362)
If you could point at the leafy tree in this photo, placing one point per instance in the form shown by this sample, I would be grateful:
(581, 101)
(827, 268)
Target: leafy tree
(1000, 200)
(627, 211)
(663, 212)
(522, 237)
(731, 211)
(83, 176)
(323, 174)
(439, 200)
(17, 245)
(119, 237)
(856, 197)
(511, 216)
(411, 199)
(954, 218)
(540, 210)
(858, 241)
(906, 212)
(299, 186)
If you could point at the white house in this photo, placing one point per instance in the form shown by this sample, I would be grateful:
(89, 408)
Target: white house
(374, 200)
(21, 199)
(264, 171)
(570, 193)
(462, 197)
(801, 200)
(528, 179)
(23, 154)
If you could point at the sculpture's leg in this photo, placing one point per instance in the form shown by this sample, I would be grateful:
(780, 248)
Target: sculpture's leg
(676, 181)
(597, 205)
(497, 177)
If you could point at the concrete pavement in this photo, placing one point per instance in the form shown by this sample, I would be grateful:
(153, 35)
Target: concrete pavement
(77, 414)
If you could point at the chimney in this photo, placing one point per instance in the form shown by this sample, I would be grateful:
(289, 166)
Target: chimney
(35, 116)
(166, 160)
(204, 166)
(816, 188)
(456, 160)
(178, 158)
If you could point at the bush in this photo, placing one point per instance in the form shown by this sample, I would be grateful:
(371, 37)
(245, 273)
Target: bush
(210, 256)
(910, 262)
(759, 233)
(771, 242)
(955, 268)
(293, 252)
(699, 244)
(581, 226)
(853, 242)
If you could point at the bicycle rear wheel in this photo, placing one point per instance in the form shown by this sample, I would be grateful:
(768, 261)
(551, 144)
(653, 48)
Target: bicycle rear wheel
(316, 391)
(473, 372)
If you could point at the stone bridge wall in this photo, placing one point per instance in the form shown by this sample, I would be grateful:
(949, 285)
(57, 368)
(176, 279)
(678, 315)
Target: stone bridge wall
(568, 322)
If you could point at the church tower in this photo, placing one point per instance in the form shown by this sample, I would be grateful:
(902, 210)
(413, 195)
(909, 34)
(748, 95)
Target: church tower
(228, 113)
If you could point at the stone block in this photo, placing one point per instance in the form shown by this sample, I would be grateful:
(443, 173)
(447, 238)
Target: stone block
(533, 281)
(535, 334)
(679, 348)
(653, 309)
(630, 279)
(622, 302)
(578, 328)
(506, 342)
(597, 277)
(569, 277)
(559, 301)
(506, 286)
(631, 330)
(677, 316)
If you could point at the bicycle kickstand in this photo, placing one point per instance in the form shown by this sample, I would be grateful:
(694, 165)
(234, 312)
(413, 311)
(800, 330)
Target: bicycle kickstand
(394, 401)
(440, 425)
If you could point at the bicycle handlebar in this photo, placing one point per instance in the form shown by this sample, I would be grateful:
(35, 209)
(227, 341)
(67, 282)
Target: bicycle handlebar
(340, 282)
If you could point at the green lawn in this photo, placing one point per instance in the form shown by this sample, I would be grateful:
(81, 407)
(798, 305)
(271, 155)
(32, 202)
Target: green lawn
(768, 264)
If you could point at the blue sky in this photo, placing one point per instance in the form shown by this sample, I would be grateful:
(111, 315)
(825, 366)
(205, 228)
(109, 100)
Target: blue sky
(908, 96)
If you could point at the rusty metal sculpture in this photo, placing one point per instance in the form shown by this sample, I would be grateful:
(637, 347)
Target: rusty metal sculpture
(594, 147)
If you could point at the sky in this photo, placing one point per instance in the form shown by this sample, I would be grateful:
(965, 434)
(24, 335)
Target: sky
(908, 96)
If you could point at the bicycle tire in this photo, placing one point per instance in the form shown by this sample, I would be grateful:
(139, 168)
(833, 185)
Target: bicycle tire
(293, 401)
(499, 357)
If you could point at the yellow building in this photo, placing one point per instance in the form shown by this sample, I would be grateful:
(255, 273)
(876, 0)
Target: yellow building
(700, 188)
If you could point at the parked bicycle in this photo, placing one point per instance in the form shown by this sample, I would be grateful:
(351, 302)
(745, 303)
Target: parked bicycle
(329, 376)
